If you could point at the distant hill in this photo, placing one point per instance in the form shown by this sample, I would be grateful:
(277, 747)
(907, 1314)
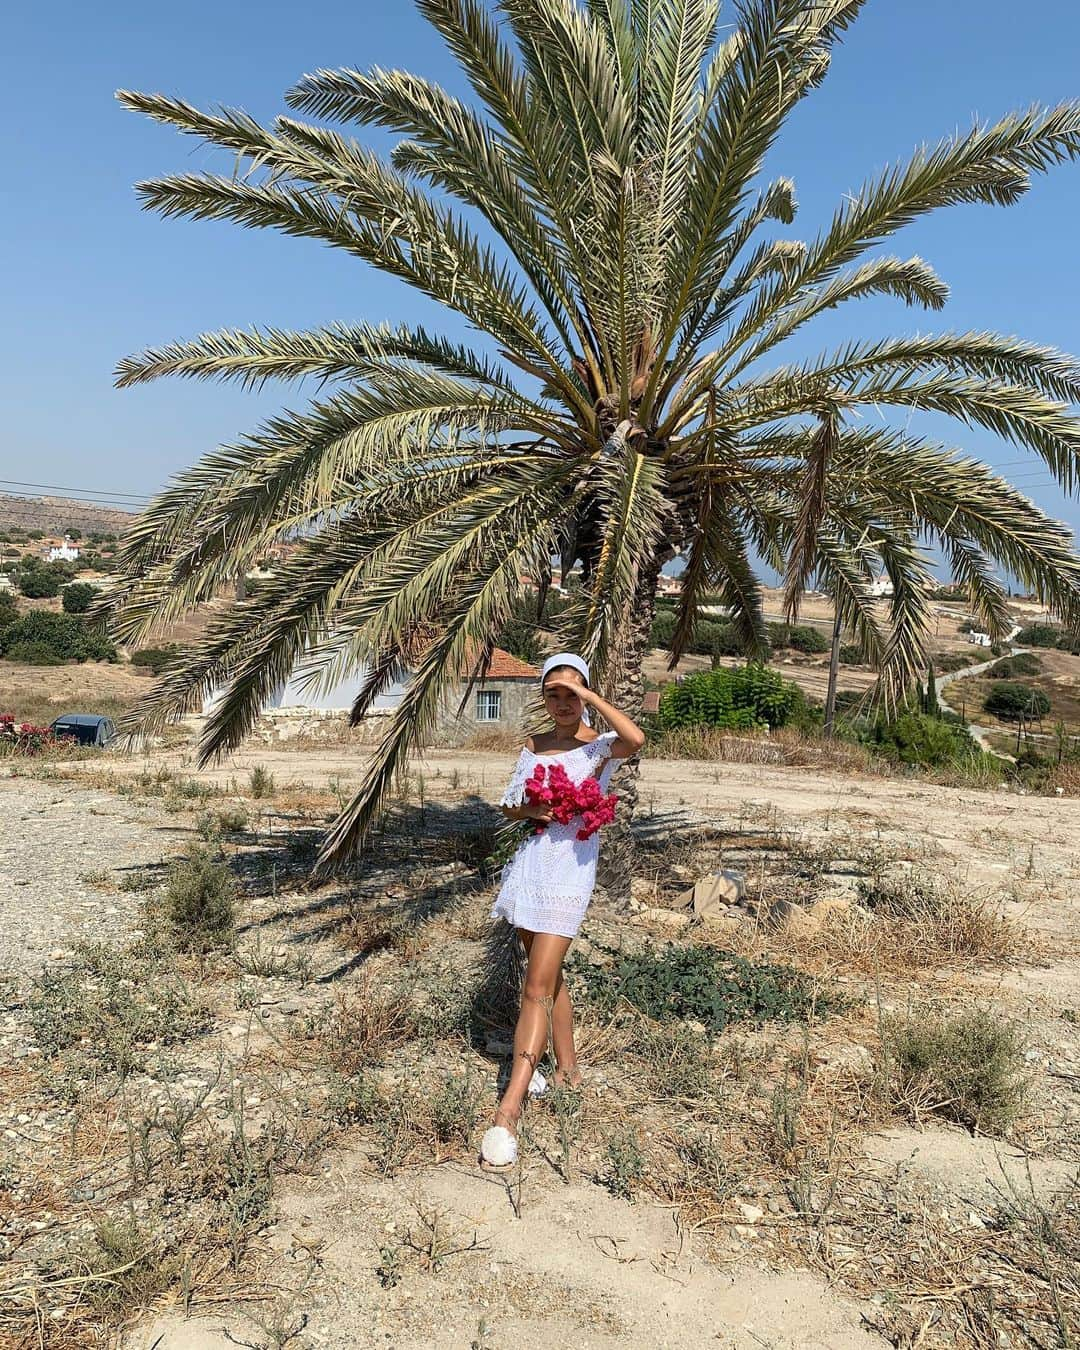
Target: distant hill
(56, 515)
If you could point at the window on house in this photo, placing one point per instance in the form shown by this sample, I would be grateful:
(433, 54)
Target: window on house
(488, 705)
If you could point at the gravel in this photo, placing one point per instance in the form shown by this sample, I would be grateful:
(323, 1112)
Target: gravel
(51, 839)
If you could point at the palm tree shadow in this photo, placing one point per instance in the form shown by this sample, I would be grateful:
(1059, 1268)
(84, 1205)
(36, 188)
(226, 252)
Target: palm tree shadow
(423, 859)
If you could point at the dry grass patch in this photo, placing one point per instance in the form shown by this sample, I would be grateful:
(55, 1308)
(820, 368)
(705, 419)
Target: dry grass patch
(785, 746)
(965, 1066)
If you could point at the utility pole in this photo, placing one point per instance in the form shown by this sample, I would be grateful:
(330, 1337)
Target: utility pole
(834, 670)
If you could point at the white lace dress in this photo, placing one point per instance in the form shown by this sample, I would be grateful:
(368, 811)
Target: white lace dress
(548, 883)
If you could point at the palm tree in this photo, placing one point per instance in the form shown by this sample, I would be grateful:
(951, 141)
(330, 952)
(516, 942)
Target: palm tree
(597, 216)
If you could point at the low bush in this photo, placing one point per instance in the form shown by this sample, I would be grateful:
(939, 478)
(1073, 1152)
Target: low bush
(78, 597)
(41, 638)
(851, 655)
(1038, 635)
(1024, 663)
(24, 738)
(200, 902)
(921, 739)
(1012, 701)
(798, 638)
(9, 609)
(712, 987)
(964, 1066)
(950, 661)
(155, 659)
(1070, 642)
(748, 697)
(112, 1006)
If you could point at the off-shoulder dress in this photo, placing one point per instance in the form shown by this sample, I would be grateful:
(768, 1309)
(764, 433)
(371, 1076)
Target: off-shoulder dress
(548, 883)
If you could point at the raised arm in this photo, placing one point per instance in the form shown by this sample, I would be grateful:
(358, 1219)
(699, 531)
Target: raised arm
(629, 737)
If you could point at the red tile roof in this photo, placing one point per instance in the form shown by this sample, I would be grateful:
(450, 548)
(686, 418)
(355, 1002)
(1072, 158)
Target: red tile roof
(503, 666)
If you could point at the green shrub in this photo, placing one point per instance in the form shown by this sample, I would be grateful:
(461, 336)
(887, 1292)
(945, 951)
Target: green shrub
(1070, 642)
(200, 902)
(625, 1168)
(950, 661)
(745, 698)
(54, 638)
(9, 609)
(156, 659)
(32, 654)
(1011, 702)
(78, 597)
(922, 739)
(1009, 667)
(709, 986)
(851, 654)
(111, 1005)
(798, 638)
(1038, 635)
(965, 1067)
(39, 584)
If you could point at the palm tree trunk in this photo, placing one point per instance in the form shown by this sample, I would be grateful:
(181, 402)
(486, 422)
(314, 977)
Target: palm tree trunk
(617, 851)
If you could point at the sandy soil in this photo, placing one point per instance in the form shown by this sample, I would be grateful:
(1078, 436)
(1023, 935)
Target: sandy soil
(581, 1269)
(988, 839)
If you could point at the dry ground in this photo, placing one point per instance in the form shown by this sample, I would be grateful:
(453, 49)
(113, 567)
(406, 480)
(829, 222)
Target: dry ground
(771, 1196)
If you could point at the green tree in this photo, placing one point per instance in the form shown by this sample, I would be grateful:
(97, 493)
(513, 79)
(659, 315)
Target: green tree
(59, 637)
(519, 636)
(933, 708)
(78, 597)
(1013, 702)
(39, 584)
(597, 211)
(1038, 635)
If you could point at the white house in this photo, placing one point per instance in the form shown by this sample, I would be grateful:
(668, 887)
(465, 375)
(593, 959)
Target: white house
(979, 639)
(499, 701)
(881, 588)
(65, 552)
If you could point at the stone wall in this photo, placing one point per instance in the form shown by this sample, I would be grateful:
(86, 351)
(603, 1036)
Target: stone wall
(327, 726)
(516, 696)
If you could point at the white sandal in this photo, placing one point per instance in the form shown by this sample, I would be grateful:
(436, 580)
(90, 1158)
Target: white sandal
(499, 1147)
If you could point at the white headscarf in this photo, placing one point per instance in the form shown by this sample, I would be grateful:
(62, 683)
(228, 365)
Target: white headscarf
(577, 663)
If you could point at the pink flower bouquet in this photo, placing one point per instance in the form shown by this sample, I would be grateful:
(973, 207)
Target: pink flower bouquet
(552, 787)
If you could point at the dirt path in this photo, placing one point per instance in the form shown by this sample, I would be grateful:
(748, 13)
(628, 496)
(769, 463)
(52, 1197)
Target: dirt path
(993, 837)
(578, 1269)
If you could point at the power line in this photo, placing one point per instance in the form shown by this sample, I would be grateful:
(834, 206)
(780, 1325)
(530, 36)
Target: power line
(52, 487)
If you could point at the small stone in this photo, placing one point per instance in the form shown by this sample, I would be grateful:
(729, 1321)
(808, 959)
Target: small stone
(751, 1213)
(829, 906)
(792, 918)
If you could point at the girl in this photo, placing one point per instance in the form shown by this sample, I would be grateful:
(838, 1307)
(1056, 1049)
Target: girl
(547, 886)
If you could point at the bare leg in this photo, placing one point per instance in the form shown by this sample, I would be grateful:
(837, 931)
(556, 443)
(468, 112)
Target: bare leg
(562, 1026)
(562, 1036)
(546, 952)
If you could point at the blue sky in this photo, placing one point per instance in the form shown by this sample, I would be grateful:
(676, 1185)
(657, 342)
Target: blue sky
(90, 278)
